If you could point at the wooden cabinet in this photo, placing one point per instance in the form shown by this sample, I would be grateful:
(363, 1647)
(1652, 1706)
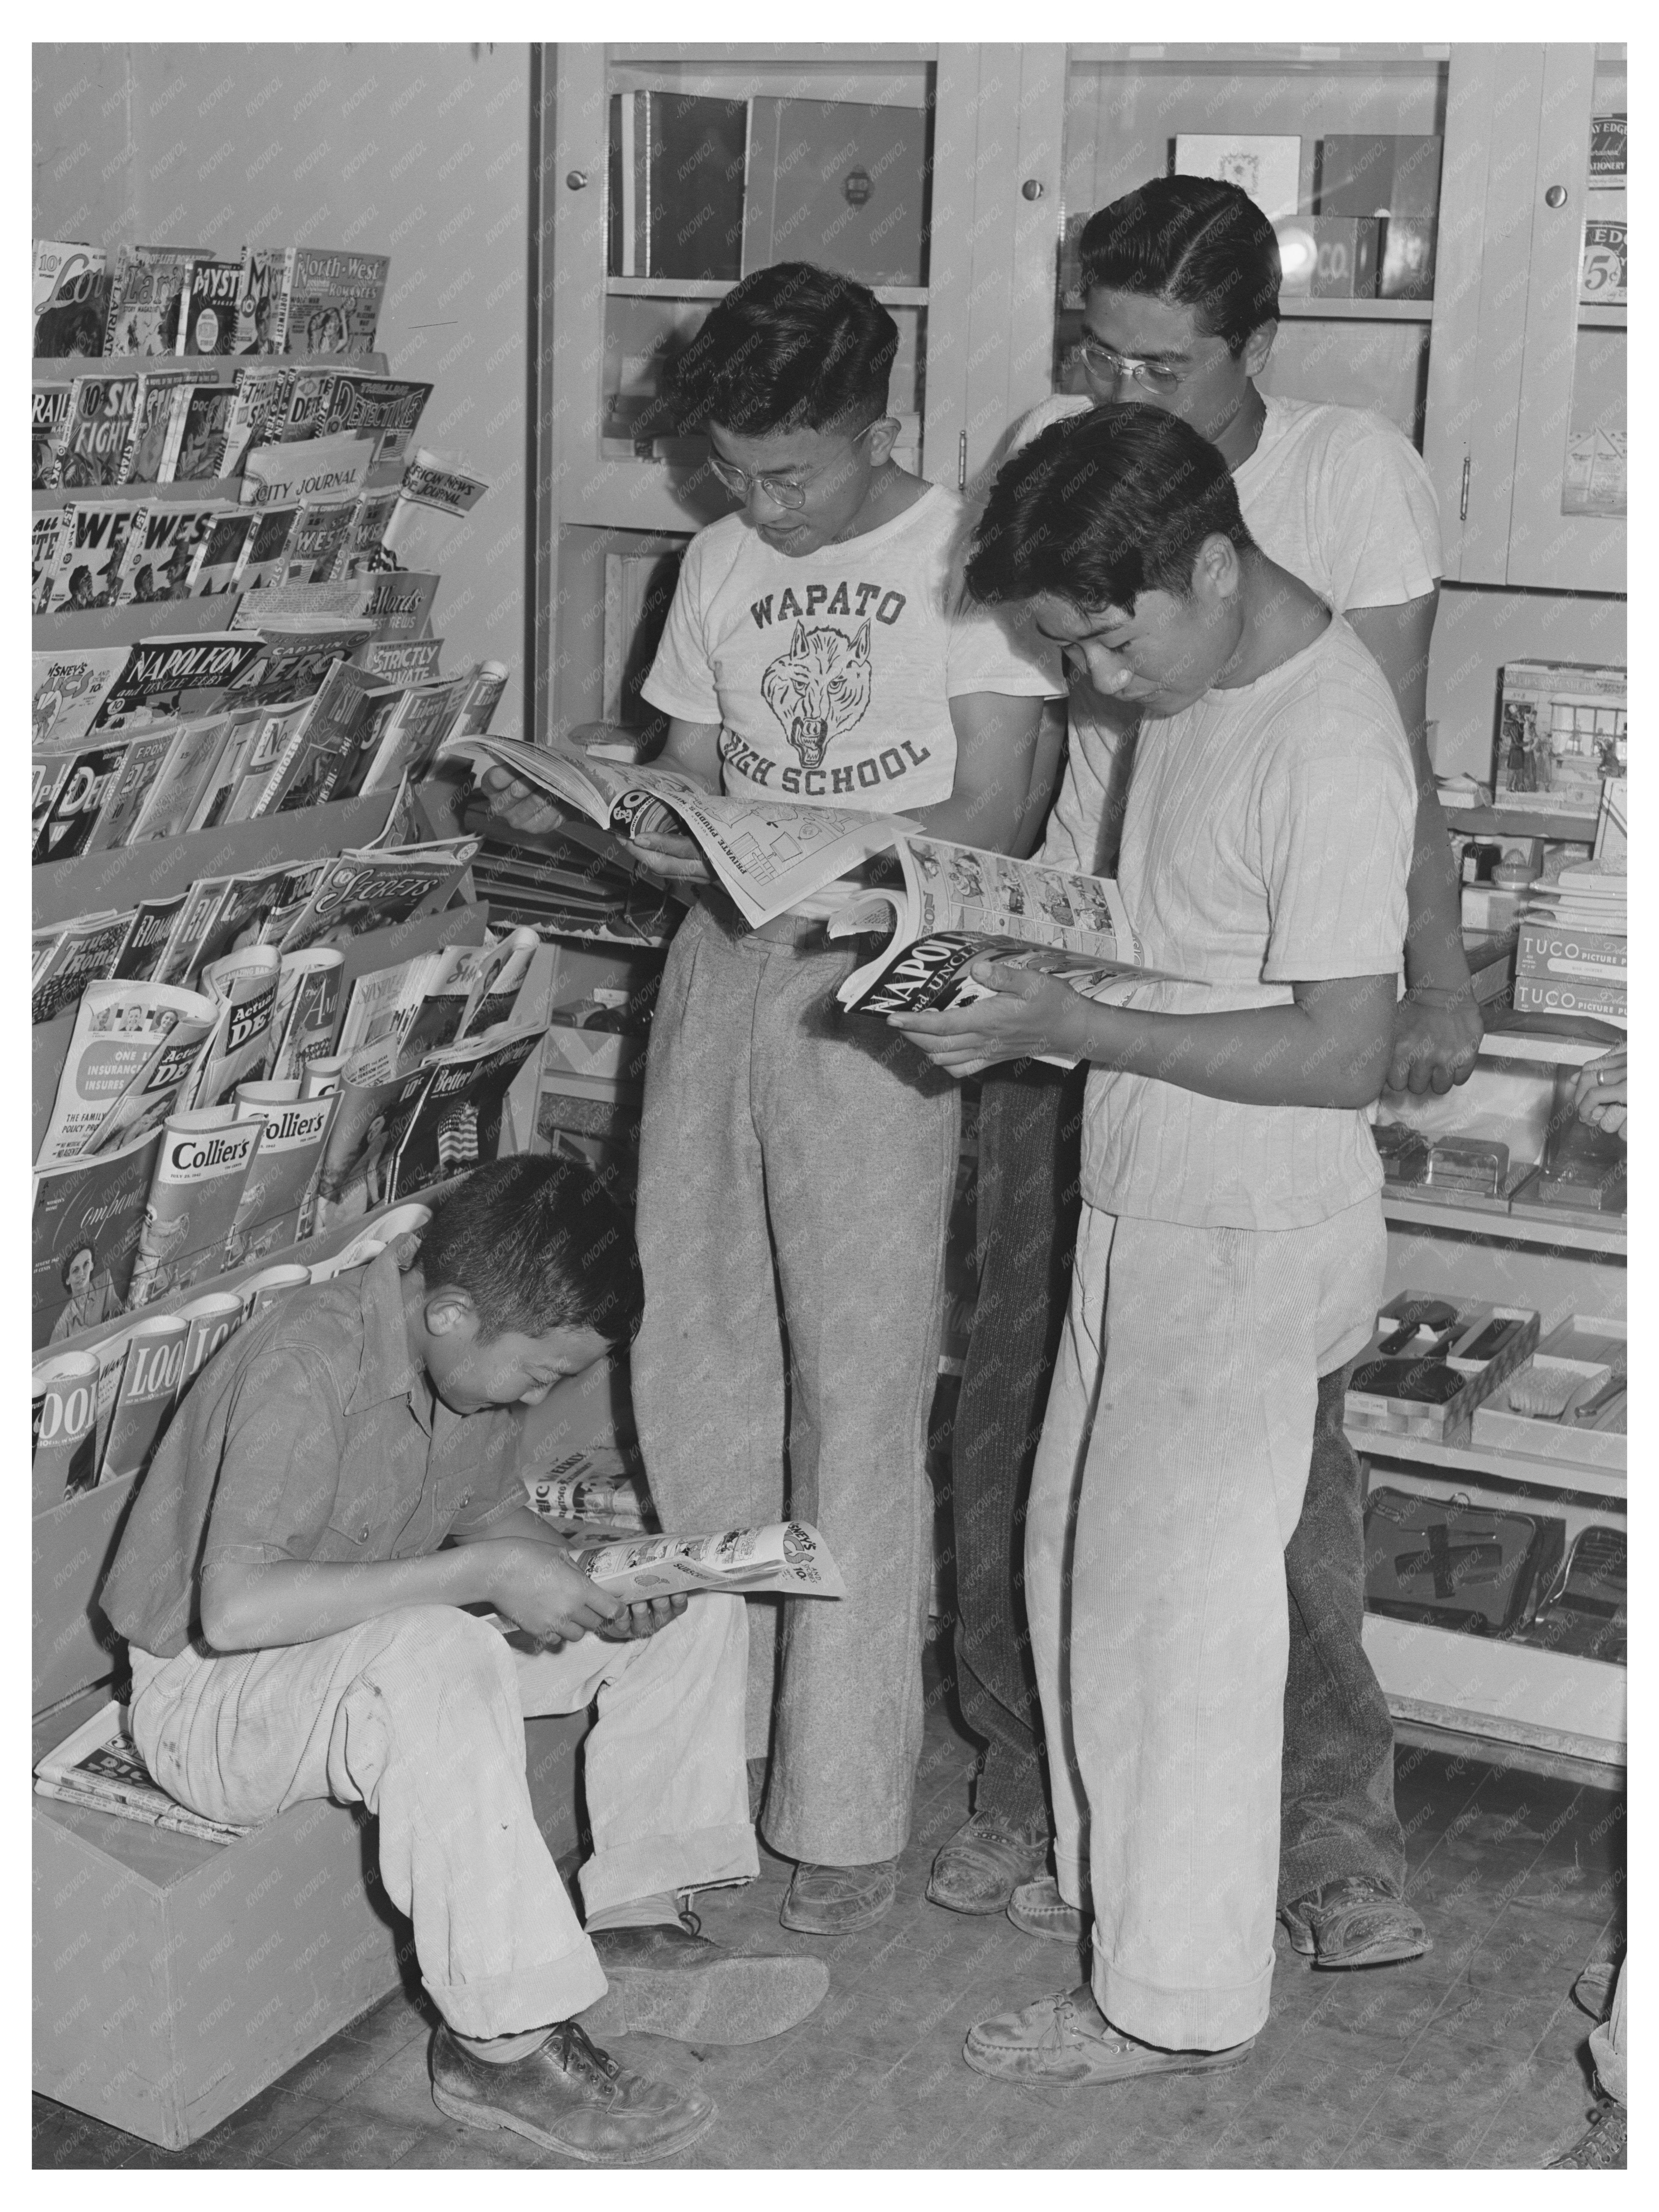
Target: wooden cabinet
(1526, 418)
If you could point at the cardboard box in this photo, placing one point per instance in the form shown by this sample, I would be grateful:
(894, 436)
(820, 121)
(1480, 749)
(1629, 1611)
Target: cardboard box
(1600, 956)
(1536, 995)
(1498, 1427)
(175, 1979)
(1449, 1422)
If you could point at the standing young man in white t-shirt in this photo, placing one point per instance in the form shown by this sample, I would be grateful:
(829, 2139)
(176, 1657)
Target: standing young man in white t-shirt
(797, 1164)
(1231, 1246)
(1182, 296)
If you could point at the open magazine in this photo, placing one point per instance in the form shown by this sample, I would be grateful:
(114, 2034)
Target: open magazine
(958, 903)
(787, 1559)
(769, 857)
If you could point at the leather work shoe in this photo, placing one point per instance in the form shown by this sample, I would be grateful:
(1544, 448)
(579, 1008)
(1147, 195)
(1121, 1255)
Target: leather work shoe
(984, 1862)
(674, 1982)
(1065, 2039)
(571, 2098)
(833, 1901)
(1356, 1921)
(1038, 1907)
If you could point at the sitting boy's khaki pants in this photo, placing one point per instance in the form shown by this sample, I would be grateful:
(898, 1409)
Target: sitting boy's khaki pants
(420, 1715)
(1168, 1481)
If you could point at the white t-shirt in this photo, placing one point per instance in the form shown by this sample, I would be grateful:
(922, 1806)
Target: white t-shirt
(1266, 840)
(1338, 496)
(831, 675)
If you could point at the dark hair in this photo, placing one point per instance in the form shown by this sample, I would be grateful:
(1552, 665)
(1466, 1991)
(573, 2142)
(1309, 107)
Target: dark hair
(1103, 507)
(1194, 242)
(793, 347)
(71, 1256)
(537, 1243)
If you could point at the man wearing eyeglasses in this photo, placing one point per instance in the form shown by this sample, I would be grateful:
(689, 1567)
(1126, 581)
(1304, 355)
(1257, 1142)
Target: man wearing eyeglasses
(798, 1164)
(1181, 294)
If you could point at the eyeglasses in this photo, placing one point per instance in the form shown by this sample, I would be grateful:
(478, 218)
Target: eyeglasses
(782, 491)
(1102, 362)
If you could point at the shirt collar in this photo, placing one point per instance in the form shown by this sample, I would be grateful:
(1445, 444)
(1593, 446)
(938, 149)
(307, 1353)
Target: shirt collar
(388, 1369)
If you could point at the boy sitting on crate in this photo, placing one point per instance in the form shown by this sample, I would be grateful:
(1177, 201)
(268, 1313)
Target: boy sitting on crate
(341, 1481)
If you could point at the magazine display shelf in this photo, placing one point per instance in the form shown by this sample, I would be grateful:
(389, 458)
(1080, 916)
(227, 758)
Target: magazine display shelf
(1551, 1712)
(190, 491)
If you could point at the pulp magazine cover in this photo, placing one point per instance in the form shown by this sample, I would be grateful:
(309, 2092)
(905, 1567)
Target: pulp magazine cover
(769, 858)
(71, 293)
(93, 450)
(88, 949)
(787, 1559)
(165, 678)
(212, 297)
(96, 541)
(334, 299)
(145, 292)
(99, 1768)
(50, 412)
(69, 688)
(958, 902)
(131, 1050)
(305, 1020)
(164, 398)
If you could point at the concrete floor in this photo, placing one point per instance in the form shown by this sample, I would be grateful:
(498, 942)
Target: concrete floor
(1472, 2056)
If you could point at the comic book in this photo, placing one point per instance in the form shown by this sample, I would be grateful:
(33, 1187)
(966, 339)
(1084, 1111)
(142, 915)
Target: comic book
(386, 409)
(146, 756)
(146, 937)
(51, 531)
(85, 952)
(100, 532)
(259, 400)
(208, 311)
(131, 1051)
(434, 502)
(82, 778)
(274, 1209)
(288, 667)
(785, 1558)
(593, 1485)
(334, 301)
(316, 761)
(262, 308)
(87, 1220)
(198, 441)
(164, 396)
(769, 857)
(304, 1022)
(266, 565)
(94, 448)
(145, 292)
(394, 660)
(376, 887)
(172, 798)
(67, 690)
(958, 903)
(71, 297)
(161, 564)
(166, 678)
(361, 551)
(228, 542)
(51, 411)
(317, 546)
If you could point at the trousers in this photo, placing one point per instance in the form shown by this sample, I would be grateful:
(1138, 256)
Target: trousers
(796, 1169)
(419, 1716)
(1168, 1482)
(1337, 1797)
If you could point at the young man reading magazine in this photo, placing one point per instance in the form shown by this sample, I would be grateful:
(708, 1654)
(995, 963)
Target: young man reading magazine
(1181, 282)
(797, 1164)
(293, 1615)
(1231, 1246)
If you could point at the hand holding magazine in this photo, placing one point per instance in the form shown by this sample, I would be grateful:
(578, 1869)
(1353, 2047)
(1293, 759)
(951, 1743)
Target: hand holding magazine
(769, 857)
(785, 1558)
(958, 903)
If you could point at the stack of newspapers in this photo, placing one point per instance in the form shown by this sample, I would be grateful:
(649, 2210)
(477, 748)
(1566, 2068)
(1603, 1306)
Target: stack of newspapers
(99, 1769)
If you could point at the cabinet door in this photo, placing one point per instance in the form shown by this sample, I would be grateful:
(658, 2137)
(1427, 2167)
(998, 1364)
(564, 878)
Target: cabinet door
(1569, 456)
(1477, 339)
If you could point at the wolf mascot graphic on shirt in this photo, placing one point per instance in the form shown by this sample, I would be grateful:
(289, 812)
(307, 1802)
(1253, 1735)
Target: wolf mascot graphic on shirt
(819, 687)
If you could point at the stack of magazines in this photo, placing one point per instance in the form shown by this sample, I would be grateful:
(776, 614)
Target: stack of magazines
(99, 1769)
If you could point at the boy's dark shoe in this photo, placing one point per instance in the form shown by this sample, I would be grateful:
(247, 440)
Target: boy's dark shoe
(571, 2098)
(1600, 2148)
(674, 1982)
(1037, 1907)
(833, 1901)
(1355, 1922)
(1066, 2040)
(985, 1862)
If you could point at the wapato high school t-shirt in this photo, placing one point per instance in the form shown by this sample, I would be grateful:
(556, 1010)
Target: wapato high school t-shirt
(831, 675)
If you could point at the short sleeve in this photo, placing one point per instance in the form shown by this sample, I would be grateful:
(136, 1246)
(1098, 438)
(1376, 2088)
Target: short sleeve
(997, 649)
(279, 1463)
(1382, 519)
(682, 679)
(1338, 812)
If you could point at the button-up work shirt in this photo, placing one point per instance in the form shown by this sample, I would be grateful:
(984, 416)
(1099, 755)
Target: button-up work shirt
(313, 1435)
